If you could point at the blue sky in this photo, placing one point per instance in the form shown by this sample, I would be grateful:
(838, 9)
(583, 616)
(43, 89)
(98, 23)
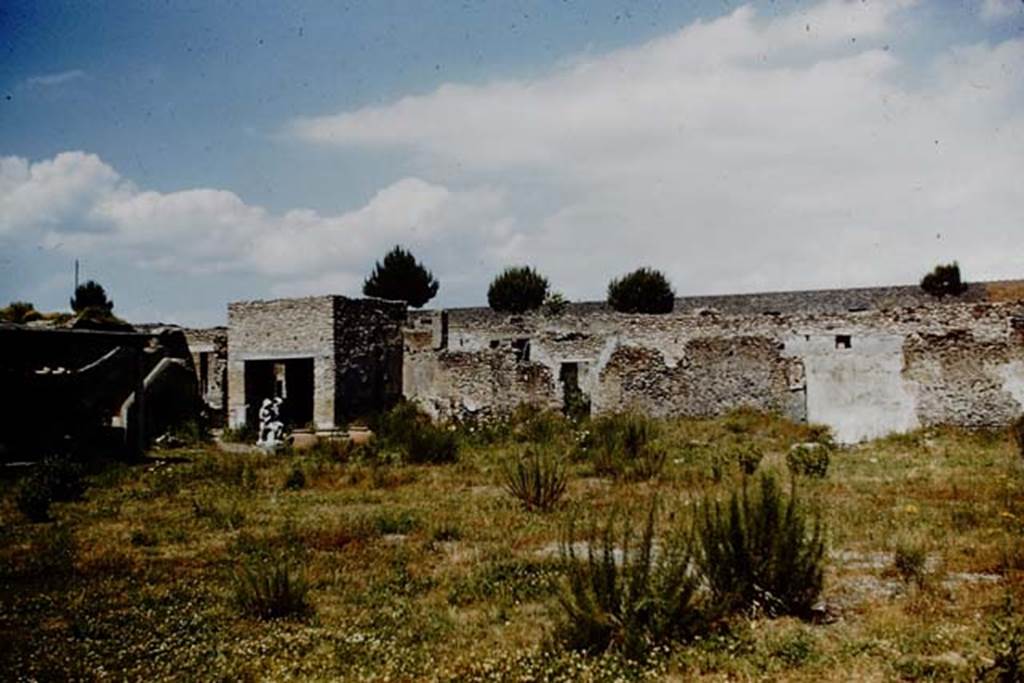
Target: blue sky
(190, 154)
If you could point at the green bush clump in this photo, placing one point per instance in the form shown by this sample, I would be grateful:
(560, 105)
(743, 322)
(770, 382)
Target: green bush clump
(623, 594)
(271, 589)
(412, 433)
(517, 290)
(748, 458)
(529, 423)
(809, 460)
(296, 480)
(538, 479)
(53, 480)
(645, 290)
(1006, 640)
(762, 552)
(623, 445)
(244, 434)
(910, 560)
(944, 280)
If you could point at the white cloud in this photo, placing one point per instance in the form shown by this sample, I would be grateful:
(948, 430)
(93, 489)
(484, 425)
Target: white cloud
(59, 78)
(740, 153)
(77, 203)
(995, 10)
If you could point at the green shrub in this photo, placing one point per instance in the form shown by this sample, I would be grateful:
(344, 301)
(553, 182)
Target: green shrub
(516, 290)
(910, 561)
(555, 304)
(396, 522)
(271, 589)
(944, 280)
(191, 433)
(243, 434)
(529, 423)
(643, 291)
(432, 444)
(296, 480)
(19, 312)
(747, 457)
(625, 596)
(538, 479)
(1006, 639)
(411, 432)
(53, 480)
(761, 551)
(809, 460)
(623, 445)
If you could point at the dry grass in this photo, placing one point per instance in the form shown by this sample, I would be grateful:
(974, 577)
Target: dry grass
(434, 572)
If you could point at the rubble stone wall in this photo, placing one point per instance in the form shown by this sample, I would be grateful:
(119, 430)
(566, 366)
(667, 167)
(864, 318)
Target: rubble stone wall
(213, 343)
(863, 372)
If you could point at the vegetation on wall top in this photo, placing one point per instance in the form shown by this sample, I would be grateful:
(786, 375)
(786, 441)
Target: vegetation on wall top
(944, 280)
(517, 290)
(645, 290)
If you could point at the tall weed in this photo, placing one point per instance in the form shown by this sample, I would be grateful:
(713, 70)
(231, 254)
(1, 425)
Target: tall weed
(761, 551)
(628, 594)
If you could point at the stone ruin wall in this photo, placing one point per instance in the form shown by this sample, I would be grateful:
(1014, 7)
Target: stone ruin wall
(865, 373)
(355, 344)
(212, 341)
(282, 329)
(368, 354)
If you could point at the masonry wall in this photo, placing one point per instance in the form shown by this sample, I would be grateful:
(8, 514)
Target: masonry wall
(368, 355)
(863, 372)
(282, 329)
(355, 345)
(211, 342)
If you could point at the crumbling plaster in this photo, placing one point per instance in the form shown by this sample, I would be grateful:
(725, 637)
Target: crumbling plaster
(957, 363)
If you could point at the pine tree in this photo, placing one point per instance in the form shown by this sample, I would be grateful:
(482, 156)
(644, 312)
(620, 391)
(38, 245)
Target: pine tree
(400, 277)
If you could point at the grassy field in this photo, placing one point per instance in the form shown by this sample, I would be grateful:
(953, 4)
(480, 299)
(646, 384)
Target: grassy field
(435, 572)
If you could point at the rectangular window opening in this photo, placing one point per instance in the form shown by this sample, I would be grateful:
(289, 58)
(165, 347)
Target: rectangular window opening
(843, 341)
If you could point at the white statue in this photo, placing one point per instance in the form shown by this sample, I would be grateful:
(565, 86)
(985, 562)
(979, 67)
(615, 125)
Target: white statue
(272, 435)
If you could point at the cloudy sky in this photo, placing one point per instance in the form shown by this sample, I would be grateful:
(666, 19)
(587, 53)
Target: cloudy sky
(191, 154)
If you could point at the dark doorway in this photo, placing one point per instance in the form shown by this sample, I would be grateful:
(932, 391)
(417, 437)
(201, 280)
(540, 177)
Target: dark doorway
(291, 379)
(575, 404)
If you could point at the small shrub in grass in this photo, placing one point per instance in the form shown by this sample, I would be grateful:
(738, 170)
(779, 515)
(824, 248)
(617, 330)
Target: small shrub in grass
(272, 589)
(910, 561)
(625, 595)
(243, 434)
(537, 479)
(809, 460)
(296, 480)
(761, 551)
(623, 445)
(53, 553)
(531, 424)
(431, 444)
(412, 432)
(748, 458)
(1006, 640)
(53, 480)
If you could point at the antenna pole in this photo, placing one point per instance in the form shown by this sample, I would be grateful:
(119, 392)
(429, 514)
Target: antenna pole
(76, 275)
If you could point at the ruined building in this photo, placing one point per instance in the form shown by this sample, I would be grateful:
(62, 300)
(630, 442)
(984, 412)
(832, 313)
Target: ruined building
(866, 362)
